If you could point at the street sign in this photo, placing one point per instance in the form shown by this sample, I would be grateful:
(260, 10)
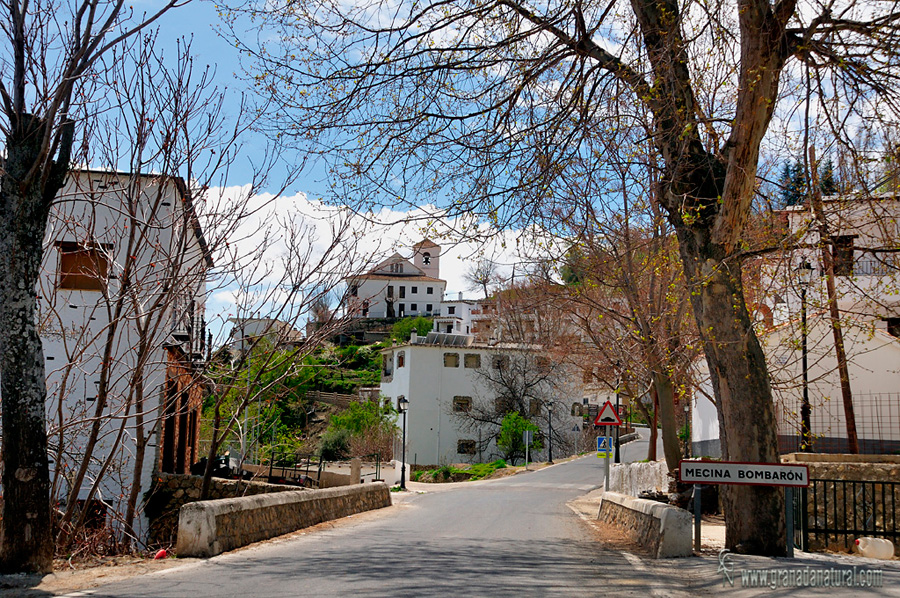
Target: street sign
(528, 437)
(607, 416)
(604, 443)
(750, 474)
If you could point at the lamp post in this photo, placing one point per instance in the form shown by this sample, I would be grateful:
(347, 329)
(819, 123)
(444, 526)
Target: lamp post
(616, 457)
(550, 422)
(402, 406)
(804, 277)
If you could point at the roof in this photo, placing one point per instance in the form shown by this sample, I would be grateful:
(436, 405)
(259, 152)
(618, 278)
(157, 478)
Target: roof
(415, 277)
(425, 243)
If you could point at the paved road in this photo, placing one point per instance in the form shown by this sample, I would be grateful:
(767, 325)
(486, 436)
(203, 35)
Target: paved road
(507, 537)
(512, 537)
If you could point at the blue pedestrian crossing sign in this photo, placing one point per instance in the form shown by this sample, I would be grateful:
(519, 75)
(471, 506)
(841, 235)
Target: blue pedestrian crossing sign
(604, 446)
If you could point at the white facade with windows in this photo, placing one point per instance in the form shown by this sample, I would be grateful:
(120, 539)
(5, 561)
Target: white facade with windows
(398, 287)
(439, 376)
(121, 320)
(864, 235)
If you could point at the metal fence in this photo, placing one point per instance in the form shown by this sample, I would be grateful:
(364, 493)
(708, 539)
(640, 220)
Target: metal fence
(877, 424)
(833, 513)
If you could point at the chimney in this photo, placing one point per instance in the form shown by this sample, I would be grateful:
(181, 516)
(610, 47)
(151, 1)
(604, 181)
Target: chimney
(460, 295)
(413, 337)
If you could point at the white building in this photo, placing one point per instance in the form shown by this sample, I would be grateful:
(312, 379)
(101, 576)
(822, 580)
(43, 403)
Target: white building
(398, 287)
(121, 307)
(448, 379)
(866, 283)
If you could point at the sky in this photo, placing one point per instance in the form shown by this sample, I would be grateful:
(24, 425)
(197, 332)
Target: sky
(198, 20)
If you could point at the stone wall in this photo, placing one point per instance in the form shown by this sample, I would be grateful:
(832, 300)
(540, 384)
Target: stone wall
(663, 529)
(211, 527)
(171, 491)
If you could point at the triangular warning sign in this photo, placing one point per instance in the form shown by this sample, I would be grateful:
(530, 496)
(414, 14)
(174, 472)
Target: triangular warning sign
(608, 416)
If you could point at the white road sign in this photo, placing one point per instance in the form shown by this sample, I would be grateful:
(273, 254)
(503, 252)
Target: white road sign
(753, 474)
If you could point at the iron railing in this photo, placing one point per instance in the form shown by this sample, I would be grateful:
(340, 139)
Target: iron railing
(839, 511)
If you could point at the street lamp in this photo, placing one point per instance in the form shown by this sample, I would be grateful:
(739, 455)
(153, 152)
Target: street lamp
(617, 459)
(550, 421)
(402, 407)
(804, 277)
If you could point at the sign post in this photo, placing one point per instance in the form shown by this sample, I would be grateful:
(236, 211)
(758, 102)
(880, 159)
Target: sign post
(748, 474)
(608, 418)
(527, 436)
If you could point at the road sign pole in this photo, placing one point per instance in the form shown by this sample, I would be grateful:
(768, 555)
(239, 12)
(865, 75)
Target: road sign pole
(697, 511)
(606, 434)
(789, 519)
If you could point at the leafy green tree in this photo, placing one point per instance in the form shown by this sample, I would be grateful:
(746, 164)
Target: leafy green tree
(403, 329)
(511, 440)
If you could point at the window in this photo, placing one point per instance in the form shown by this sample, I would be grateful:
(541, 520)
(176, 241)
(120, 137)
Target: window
(414, 290)
(401, 359)
(354, 290)
(413, 308)
(893, 326)
(451, 310)
(401, 310)
(473, 361)
(429, 308)
(397, 268)
(462, 404)
(387, 362)
(465, 447)
(426, 258)
(390, 291)
(498, 362)
(449, 328)
(842, 254)
(402, 292)
(429, 290)
(451, 360)
(83, 268)
(504, 405)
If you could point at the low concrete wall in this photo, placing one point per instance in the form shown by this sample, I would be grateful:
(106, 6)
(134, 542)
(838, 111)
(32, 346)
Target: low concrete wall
(663, 529)
(211, 527)
(634, 478)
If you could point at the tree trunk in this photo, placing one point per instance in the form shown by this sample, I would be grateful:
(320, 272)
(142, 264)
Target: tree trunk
(665, 409)
(26, 542)
(754, 514)
(833, 310)
(213, 449)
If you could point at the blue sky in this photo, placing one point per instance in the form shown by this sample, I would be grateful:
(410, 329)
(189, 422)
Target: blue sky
(199, 19)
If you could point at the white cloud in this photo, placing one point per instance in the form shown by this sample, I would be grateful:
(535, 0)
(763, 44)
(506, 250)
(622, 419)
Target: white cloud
(252, 232)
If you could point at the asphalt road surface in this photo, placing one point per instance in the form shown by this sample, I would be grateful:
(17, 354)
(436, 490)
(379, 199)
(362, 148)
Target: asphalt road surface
(507, 537)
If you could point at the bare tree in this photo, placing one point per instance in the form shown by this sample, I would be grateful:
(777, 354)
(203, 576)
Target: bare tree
(51, 47)
(483, 274)
(489, 103)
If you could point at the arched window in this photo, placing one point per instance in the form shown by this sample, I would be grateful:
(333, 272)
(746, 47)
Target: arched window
(426, 258)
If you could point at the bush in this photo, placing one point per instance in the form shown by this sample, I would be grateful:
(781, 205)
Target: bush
(335, 445)
(403, 329)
